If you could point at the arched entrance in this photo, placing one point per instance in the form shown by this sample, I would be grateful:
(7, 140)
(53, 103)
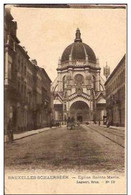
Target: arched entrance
(80, 111)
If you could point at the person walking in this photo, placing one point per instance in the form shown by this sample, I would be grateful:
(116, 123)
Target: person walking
(68, 122)
(72, 122)
(10, 131)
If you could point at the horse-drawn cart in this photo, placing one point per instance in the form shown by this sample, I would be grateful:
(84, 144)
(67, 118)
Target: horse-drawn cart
(70, 125)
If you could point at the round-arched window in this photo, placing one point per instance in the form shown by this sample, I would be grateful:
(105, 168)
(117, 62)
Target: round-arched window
(64, 83)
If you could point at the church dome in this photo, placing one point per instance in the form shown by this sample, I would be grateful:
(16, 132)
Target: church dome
(78, 51)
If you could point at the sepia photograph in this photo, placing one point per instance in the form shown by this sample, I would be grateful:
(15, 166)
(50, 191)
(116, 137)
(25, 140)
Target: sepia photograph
(65, 74)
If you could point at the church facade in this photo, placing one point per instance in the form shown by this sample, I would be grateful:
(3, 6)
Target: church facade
(78, 91)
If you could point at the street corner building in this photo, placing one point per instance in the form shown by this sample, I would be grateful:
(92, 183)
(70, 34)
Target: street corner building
(115, 94)
(78, 91)
(27, 86)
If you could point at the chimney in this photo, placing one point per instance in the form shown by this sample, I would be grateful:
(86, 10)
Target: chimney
(34, 62)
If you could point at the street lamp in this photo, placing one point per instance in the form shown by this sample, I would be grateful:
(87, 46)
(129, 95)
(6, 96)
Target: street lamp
(94, 105)
(111, 107)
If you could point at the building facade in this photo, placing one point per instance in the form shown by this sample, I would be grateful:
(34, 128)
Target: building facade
(115, 95)
(27, 86)
(78, 91)
(10, 74)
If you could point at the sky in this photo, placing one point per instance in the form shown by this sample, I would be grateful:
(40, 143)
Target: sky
(45, 33)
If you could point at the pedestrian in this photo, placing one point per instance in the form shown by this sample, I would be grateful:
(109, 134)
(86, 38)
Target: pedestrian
(78, 123)
(99, 122)
(68, 122)
(108, 123)
(51, 123)
(72, 122)
(10, 131)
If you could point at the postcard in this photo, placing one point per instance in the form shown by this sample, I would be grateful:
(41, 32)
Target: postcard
(65, 73)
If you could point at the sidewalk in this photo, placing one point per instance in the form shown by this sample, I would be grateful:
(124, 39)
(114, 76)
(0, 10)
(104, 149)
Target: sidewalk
(119, 128)
(113, 127)
(30, 133)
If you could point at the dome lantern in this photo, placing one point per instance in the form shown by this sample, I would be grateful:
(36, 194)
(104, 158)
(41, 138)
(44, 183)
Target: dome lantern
(78, 36)
(78, 52)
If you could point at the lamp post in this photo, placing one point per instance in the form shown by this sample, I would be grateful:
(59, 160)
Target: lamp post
(119, 110)
(18, 113)
(112, 105)
(94, 105)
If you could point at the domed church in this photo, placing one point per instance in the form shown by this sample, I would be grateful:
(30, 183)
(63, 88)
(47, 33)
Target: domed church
(78, 91)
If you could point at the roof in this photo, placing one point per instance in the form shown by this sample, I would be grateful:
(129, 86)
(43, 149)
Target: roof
(45, 74)
(116, 69)
(78, 51)
(24, 52)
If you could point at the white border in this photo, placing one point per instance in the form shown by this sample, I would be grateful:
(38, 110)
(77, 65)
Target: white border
(2, 2)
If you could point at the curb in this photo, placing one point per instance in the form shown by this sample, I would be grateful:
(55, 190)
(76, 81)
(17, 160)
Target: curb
(112, 127)
(30, 135)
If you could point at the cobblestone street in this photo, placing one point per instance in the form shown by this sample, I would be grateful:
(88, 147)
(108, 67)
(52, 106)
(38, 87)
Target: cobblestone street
(89, 147)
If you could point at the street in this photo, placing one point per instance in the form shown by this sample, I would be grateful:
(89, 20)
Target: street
(87, 147)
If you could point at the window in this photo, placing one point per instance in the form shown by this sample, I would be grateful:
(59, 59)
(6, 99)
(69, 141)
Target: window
(14, 47)
(19, 63)
(25, 70)
(22, 88)
(94, 82)
(22, 66)
(64, 106)
(64, 82)
(10, 70)
(18, 85)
